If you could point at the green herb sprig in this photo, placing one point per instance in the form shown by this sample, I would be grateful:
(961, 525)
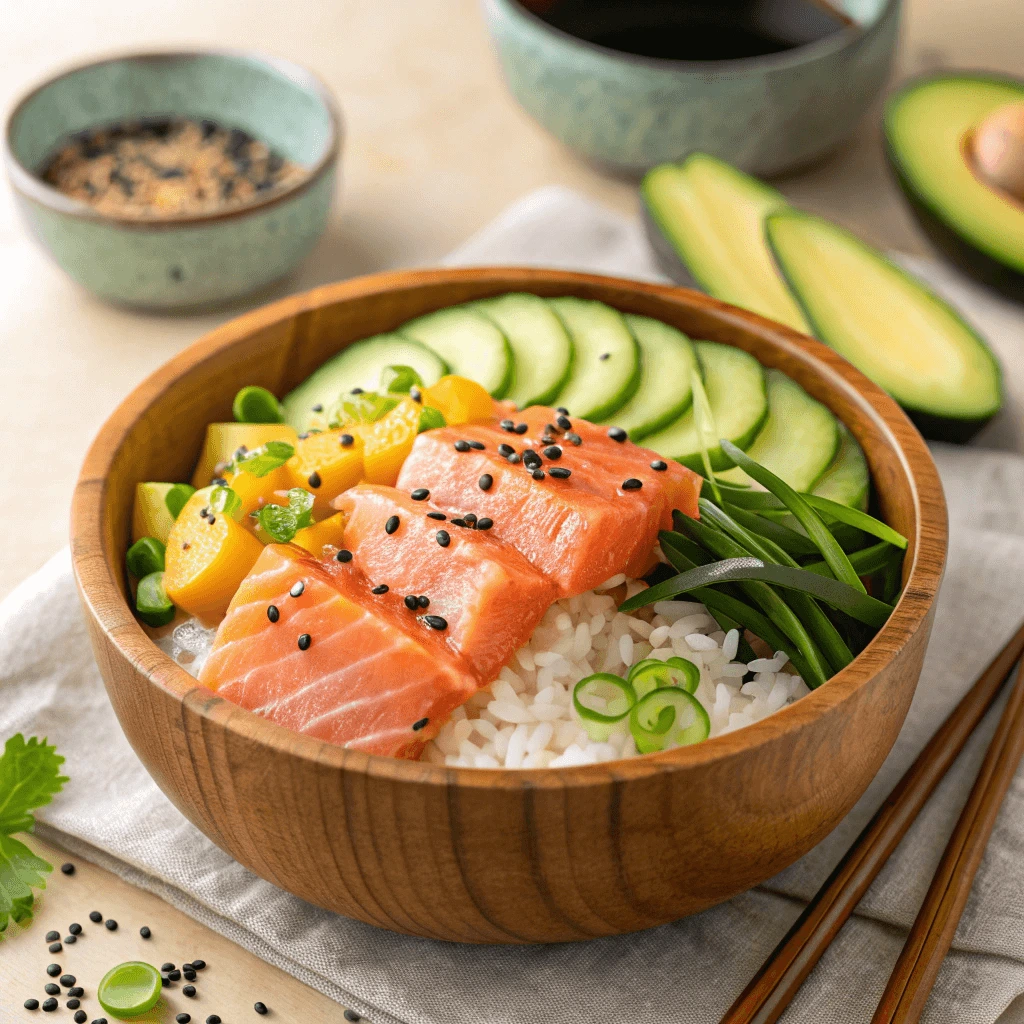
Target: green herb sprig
(282, 522)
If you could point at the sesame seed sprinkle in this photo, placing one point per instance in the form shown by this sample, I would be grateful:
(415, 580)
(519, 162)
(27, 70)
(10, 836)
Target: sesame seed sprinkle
(437, 515)
(604, 355)
(538, 474)
(461, 446)
(574, 439)
(560, 472)
(344, 555)
(421, 724)
(411, 602)
(507, 425)
(392, 525)
(304, 641)
(381, 589)
(272, 613)
(297, 588)
(443, 538)
(314, 480)
(659, 466)
(485, 482)
(423, 601)
(420, 494)
(632, 484)
(553, 452)
(521, 428)
(435, 621)
(564, 422)
(346, 440)
(318, 407)
(485, 523)
(617, 434)
(506, 450)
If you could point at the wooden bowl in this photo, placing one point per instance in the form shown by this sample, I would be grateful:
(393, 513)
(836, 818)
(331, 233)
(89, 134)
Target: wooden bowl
(478, 855)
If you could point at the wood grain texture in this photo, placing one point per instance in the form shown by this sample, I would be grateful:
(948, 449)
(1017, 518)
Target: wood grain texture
(493, 856)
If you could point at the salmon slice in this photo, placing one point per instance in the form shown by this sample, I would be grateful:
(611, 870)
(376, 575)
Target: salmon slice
(579, 531)
(374, 675)
(490, 595)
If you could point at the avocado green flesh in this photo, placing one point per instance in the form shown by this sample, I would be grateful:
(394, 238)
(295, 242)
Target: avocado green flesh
(665, 392)
(926, 125)
(893, 329)
(713, 216)
(847, 481)
(798, 440)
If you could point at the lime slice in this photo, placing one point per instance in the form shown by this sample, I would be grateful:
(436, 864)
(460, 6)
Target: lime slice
(129, 989)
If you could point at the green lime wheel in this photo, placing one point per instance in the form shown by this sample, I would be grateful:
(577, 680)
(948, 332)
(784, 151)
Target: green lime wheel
(129, 989)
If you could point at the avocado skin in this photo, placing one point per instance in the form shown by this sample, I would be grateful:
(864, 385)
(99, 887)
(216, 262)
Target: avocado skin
(945, 428)
(972, 261)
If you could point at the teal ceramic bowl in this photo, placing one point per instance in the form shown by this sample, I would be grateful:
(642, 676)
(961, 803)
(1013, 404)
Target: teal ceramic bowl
(179, 262)
(765, 114)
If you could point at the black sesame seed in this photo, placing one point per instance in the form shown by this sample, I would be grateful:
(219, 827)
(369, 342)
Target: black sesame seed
(460, 522)
(54, 947)
(77, 991)
(356, 391)
(346, 440)
(416, 395)
(485, 482)
(477, 445)
(31, 1004)
(49, 1005)
(198, 965)
(174, 975)
(521, 428)
(314, 480)
(80, 1017)
(212, 520)
(617, 434)
(421, 724)
(260, 1008)
(344, 555)
(435, 621)
(95, 916)
(604, 355)
(189, 974)
(564, 422)
(75, 929)
(411, 602)
(420, 494)
(505, 450)
(52, 936)
(73, 1004)
(443, 537)
(297, 589)
(165, 968)
(392, 525)
(189, 990)
(507, 425)
(304, 435)
(51, 990)
(574, 439)
(318, 407)
(461, 446)
(69, 940)
(484, 524)
(560, 472)
(531, 460)
(514, 458)
(440, 516)
(553, 452)
(304, 641)
(213, 1019)
(145, 932)
(381, 589)
(352, 1017)
(632, 484)
(53, 970)
(658, 466)
(68, 868)
(183, 1018)
(272, 613)
(220, 481)
(538, 474)
(423, 601)
(470, 518)
(67, 980)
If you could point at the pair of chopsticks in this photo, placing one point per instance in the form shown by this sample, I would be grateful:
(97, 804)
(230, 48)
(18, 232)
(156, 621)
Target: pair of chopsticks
(782, 974)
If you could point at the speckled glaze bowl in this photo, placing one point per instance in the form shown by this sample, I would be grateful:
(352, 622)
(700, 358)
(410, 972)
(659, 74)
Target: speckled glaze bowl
(764, 114)
(181, 262)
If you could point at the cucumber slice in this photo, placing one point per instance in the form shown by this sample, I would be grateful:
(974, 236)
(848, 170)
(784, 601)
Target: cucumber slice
(892, 328)
(705, 222)
(847, 480)
(359, 366)
(541, 348)
(799, 439)
(470, 343)
(735, 384)
(606, 370)
(667, 363)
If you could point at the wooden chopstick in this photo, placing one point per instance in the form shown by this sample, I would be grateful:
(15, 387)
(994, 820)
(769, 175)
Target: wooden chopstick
(782, 974)
(929, 940)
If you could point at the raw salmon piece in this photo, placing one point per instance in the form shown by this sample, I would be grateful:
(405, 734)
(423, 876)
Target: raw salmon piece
(579, 531)
(372, 672)
(490, 595)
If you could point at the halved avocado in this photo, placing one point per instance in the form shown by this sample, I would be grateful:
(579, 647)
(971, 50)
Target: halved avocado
(892, 328)
(705, 222)
(927, 131)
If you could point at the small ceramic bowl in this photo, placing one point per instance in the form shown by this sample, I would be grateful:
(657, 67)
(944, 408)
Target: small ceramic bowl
(764, 114)
(187, 261)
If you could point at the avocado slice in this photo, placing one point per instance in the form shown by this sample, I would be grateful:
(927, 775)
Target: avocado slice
(927, 129)
(705, 222)
(892, 328)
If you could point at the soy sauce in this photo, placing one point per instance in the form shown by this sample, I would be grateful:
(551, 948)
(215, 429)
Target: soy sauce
(691, 29)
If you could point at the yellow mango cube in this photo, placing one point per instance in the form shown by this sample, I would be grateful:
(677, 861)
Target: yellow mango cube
(460, 400)
(325, 467)
(224, 439)
(388, 441)
(329, 532)
(150, 515)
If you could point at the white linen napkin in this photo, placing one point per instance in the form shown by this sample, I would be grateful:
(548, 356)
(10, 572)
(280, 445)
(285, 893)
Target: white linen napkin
(689, 971)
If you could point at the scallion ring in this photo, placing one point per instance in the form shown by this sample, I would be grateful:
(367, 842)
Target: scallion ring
(651, 674)
(668, 717)
(613, 698)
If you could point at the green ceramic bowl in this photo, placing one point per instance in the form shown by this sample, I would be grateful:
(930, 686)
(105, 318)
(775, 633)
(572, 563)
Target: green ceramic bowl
(764, 114)
(180, 262)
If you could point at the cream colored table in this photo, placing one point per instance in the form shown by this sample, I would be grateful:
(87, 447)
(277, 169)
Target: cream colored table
(434, 149)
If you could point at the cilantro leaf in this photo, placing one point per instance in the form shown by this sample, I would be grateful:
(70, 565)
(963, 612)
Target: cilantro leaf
(265, 459)
(29, 778)
(20, 871)
(282, 522)
(224, 499)
(363, 407)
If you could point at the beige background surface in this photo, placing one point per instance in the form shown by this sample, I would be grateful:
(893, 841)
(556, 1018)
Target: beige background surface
(435, 148)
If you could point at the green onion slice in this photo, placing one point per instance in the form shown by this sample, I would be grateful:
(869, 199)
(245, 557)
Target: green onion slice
(602, 701)
(177, 498)
(152, 604)
(399, 380)
(224, 500)
(430, 419)
(668, 717)
(653, 674)
(146, 555)
(130, 989)
(265, 459)
(257, 405)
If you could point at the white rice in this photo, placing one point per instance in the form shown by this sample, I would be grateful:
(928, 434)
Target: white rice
(525, 718)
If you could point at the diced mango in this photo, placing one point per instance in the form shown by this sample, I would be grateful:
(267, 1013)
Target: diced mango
(206, 560)
(150, 514)
(388, 441)
(256, 491)
(460, 400)
(329, 531)
(224, 439)
(323, 458)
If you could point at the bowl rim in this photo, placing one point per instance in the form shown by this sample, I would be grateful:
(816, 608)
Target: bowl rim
(102, 595)
(26, 181)
(794, 56)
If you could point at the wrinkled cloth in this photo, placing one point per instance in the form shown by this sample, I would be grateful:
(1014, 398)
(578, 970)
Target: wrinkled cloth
(690, 971)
